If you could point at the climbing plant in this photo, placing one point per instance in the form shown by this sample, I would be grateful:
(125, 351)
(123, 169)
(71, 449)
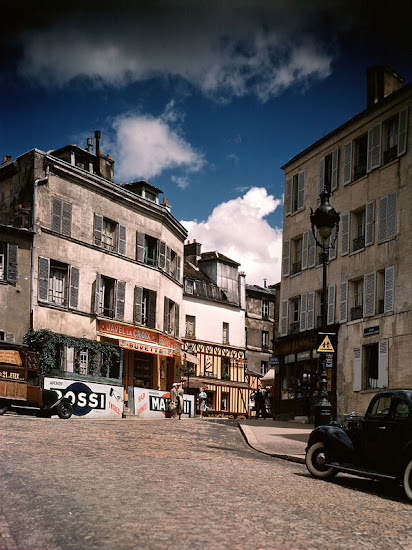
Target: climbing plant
(51, 345)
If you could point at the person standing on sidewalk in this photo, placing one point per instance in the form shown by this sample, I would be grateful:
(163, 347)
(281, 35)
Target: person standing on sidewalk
(260, 402)
(173, 400)
(180, 400)
(202, 401)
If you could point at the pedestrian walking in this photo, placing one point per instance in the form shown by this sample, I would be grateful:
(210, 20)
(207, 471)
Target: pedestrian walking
(173, 400)
(260, 402)
(180, 400)
(202, 401)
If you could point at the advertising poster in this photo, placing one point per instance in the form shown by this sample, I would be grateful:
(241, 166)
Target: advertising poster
(155, 404)
(89, 400)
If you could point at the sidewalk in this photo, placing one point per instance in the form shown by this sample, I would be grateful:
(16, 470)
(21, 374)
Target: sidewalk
(285, 440)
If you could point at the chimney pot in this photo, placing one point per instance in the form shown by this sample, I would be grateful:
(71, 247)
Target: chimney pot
(100, 152)
(109, 156)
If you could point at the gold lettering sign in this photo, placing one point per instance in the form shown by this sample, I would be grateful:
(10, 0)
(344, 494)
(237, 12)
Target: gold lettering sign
(11, 357)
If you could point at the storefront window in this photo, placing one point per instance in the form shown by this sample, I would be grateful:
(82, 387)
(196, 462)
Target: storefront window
(143, 364)
(288, 381)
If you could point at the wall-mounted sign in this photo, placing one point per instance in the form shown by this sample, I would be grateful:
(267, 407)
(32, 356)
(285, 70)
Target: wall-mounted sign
(326, 342)
(290, 358)
(370, 331)
(303, 355)
(155, 403)
(273, 361)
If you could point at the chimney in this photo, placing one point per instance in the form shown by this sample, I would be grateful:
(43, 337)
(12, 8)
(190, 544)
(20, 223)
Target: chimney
(193, 252)
(90, 145)
(381, 82)
(166, 204)
(6, 158)
(264, 283)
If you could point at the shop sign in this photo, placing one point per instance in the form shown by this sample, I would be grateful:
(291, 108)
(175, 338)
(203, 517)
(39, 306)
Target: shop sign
(315, 354)
(371, 331)
(155, 403)
(117, 329)
(146, 348)
(290, 358)
(169, 343)
(12, 357)
(303, 355)
(89, 399)
(273, 361)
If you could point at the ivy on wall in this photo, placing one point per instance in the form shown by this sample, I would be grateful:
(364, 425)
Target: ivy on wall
(51, 346)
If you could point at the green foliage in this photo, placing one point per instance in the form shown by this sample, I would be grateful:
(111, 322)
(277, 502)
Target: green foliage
(51, 345)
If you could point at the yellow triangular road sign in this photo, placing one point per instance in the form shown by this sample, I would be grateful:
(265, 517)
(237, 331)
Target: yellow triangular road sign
(326, 346)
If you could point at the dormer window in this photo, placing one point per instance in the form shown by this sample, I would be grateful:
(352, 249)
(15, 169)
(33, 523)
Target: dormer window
(149, 195)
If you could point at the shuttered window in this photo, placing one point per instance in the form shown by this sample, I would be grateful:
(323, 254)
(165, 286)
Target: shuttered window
(331, 304)
(284, 317)
(369, 299)
(383, 364)
(74, 287)
(388, 216)
(333, 246)
(303, 312)
(288, 196)
(347, 163)
(61, 216)
(58, 283)
(140, 248)
(120, 299)
(370, 223)
(374, 147)
(403, 129)
(311, 249)
(121, 248)
(301, 190)
(345, 241)
(286, 258)
(343, 308)
(305, 246)
(389, 289)
(328, 172)
(310, 311)
(357, 368)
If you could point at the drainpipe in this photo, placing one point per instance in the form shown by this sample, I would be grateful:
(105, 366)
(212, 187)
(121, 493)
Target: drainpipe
(41, 181)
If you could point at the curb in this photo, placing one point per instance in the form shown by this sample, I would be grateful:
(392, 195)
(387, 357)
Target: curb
(253, 442)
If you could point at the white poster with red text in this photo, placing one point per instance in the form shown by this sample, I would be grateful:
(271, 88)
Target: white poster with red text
(155, 403)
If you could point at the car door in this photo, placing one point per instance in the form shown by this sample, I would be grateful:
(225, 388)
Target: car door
(376, 434)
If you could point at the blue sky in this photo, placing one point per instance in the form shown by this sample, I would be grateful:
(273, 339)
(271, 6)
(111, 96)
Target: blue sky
(206, 100)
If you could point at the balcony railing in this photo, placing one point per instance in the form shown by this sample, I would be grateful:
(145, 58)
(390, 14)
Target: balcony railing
(359, 171)
(296, 267)
(294, 327)
(358, 243)
(356, 313)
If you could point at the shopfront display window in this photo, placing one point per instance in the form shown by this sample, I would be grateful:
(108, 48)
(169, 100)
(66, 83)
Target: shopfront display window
(143, 364)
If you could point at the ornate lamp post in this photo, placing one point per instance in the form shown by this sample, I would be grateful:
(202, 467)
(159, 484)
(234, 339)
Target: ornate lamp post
(324, 219)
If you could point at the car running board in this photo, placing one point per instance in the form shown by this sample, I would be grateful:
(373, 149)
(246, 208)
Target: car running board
(360, 471)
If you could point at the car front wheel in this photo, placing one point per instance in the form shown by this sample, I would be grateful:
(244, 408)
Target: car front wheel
(407, 479)
(315, 462)
(64, 410)
(4, 407)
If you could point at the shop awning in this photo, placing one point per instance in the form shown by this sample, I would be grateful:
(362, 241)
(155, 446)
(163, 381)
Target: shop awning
(198, 382)
(269, 378)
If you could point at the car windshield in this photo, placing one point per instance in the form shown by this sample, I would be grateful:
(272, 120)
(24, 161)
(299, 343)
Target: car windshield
(381, 406)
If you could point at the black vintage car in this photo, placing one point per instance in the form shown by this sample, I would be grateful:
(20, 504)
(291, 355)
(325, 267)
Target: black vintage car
(377, 445)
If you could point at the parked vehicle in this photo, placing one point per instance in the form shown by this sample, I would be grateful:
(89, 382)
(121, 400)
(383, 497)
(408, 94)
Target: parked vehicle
(377, 445)
(21, 384)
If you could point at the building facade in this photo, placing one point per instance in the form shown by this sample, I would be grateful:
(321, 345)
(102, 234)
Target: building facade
(91, 261)
(365, 164)
(260, 327)
(214, 310)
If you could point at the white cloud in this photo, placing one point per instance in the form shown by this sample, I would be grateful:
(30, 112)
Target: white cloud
(237, 229)
(196, 44)
(145, 146)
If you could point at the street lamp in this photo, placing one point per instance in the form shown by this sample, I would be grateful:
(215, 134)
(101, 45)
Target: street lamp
(324, 219)
(189, 351)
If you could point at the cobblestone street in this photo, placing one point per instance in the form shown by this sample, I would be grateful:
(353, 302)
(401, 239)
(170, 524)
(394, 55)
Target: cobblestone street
(89, 485)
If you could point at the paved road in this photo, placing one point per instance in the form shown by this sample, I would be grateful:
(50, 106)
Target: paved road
(191, 484)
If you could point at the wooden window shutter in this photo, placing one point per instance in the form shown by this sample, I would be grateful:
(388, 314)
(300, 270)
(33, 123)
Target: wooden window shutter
(168, 259)
(389, 291)
(121, 245)
(56, 222)
(43, 279)
(311, 311)
(177, 321)
(151, 314)
(402, 131)
(12, 261)
(140, 246)
(383, 217)
(357, 368)
(120, 299)
(162, 255)
(166, 316)
(74, 287)
(9, 337)
(303, 312)
(331, 304)
(345, 244)
(301, 190)
(343, 309)
(305, 245)
(383, 377)
(335, 167)
(96, 293)
(370, 223)
(98, 228)
(178, 268)
(284, 318)
(321, 174)
(288, 196)
(66, 219)
(137, 305)
(286, 259)
(347, 163)
(333, 244)
(391, 215)
(311, 249)
(369, 294)
(374, 147)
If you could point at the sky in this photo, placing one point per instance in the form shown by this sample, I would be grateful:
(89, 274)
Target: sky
(205, 100)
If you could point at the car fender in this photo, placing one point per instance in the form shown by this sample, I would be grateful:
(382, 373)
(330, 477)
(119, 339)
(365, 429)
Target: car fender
(55, 403)
(336, 441)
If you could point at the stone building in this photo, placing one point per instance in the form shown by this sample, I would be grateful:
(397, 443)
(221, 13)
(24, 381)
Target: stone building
(91, 261)
(366, 166)
(261, 312)
(214, 304)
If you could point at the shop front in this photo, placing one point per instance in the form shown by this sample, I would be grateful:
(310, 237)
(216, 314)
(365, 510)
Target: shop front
(151, 360)
(296, 388)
